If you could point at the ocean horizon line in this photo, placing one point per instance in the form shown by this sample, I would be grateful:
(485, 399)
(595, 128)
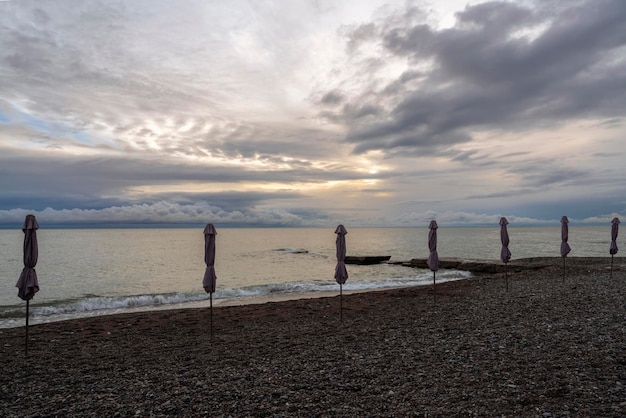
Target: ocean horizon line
(18, 225)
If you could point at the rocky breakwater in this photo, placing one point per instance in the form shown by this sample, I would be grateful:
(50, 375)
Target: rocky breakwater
(483, 266)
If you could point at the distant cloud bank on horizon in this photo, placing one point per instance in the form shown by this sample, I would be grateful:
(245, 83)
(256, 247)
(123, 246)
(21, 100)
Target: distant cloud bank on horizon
(165, 213)
(312, 113)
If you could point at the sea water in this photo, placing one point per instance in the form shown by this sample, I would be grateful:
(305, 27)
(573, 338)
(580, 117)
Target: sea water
(87, 272)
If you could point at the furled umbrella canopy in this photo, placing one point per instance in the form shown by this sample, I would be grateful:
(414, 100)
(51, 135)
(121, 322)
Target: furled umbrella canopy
(341, 273)
(565, 248)
(210, 279)
(27, 283)
(614, 231)
(505, 254)
(433, 257)
(613, 247)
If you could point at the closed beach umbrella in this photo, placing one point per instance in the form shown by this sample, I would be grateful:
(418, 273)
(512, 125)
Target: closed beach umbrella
(505, 254)
(210, 279)
(614, 231)
(565, 248)
(433, 257)
(613, 248)
(27, 283)
(341, 273)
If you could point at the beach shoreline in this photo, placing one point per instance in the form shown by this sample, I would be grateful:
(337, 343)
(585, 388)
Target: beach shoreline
(468, 265)
(19, 321)
(548, 345)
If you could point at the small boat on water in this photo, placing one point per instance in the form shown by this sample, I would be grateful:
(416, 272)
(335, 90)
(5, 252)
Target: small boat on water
(368, 259)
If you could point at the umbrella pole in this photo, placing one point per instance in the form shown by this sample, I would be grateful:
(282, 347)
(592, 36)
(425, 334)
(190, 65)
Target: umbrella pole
(506, 276)
(611, 266)
(563, 280)
(341, 302)
(211, 310)
(26, 338)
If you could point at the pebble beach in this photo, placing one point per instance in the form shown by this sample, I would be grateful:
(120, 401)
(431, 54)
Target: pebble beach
(551, 345)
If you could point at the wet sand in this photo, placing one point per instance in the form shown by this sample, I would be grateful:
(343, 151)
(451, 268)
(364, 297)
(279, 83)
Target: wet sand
(549, 346)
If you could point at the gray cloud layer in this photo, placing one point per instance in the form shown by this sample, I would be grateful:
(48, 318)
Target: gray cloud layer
(503, 66)
(300, 113)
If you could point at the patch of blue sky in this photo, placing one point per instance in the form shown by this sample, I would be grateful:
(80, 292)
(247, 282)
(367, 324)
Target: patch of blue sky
(83, 138)
(40, 125)
(3, 117)
(88, 138)
(57, 130)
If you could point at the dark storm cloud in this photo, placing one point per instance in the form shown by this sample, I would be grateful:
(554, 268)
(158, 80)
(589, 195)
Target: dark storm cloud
(554, 176)
(97, 182)
(612, 123)
(161, 111)
(502, 66)
(332, 98)
(228, 201)
(420, 143)
(575, 208)
(503, 194)
(464, 156)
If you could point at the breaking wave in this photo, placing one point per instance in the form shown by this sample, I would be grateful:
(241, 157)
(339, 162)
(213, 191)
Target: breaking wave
(93, 305)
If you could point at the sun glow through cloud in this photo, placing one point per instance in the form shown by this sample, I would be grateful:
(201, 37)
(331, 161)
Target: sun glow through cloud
(373, 112)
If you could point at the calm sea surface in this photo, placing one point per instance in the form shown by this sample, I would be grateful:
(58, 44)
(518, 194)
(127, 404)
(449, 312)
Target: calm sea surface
(85, 272)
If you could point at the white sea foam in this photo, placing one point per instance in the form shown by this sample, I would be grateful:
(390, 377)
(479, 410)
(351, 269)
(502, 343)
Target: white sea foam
(293, 250)
(98, 272)
(95, 305)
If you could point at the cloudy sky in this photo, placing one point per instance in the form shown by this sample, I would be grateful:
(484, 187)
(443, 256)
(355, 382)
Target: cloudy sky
(312, 113)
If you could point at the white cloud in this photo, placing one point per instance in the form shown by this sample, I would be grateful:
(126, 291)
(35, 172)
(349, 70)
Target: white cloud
(372, 112)
(157, 213)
